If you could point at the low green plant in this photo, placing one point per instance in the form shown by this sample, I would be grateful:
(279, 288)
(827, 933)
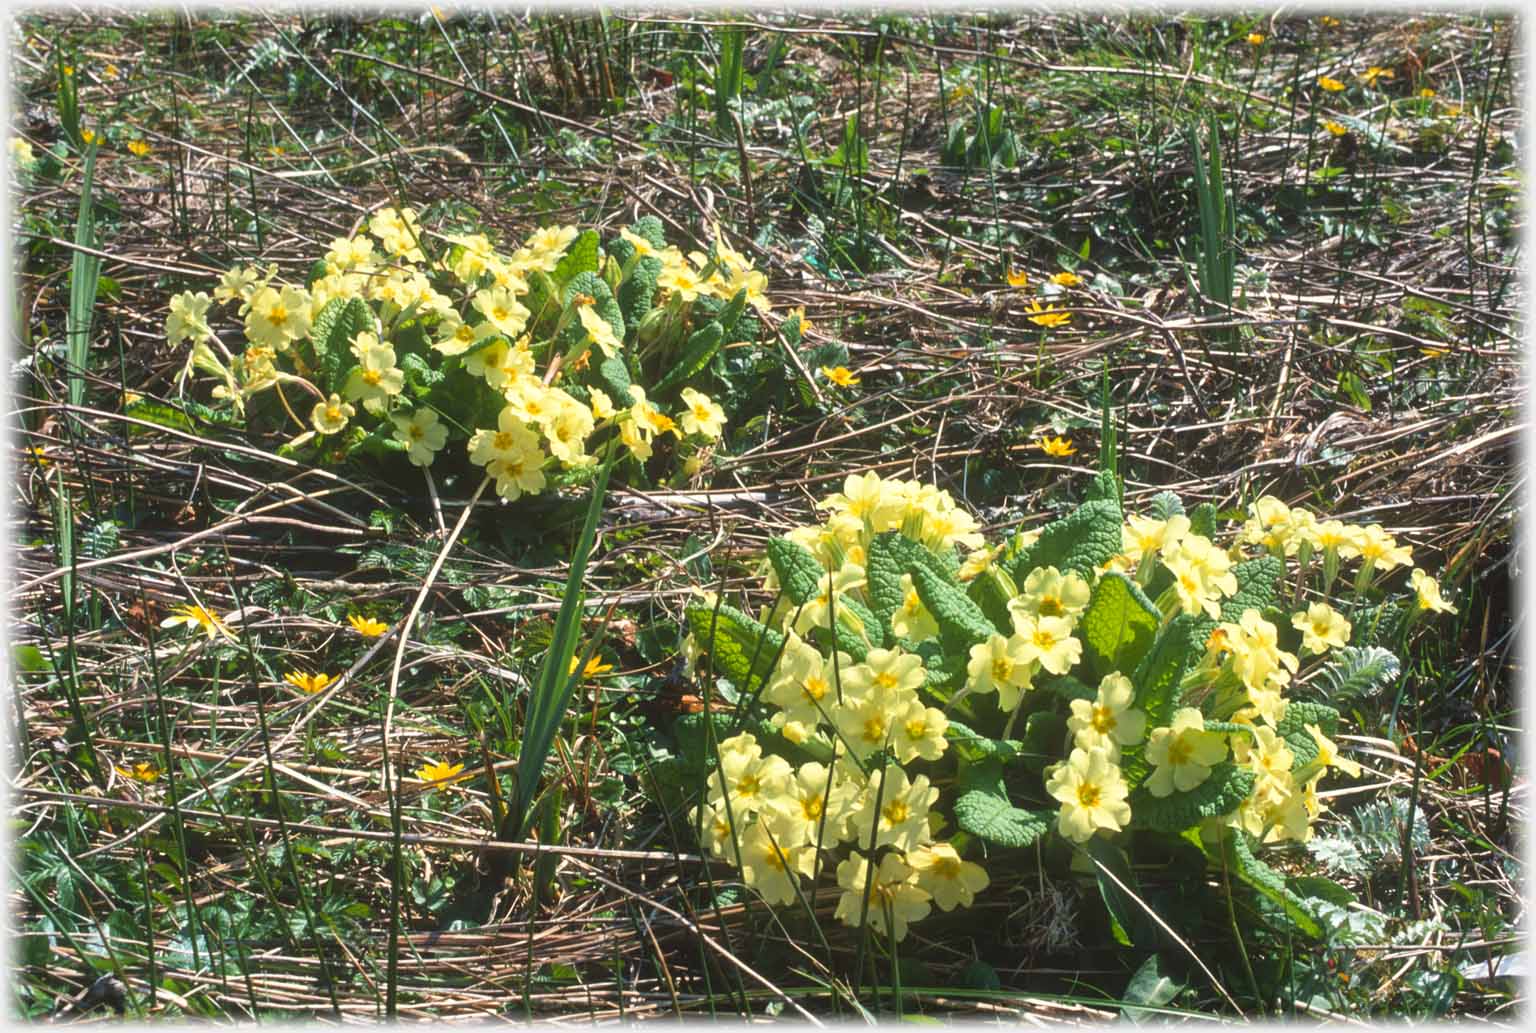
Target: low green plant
(527, 360)
(916, 699)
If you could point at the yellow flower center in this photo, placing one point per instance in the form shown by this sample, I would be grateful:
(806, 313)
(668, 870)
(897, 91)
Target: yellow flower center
(917, 728)
(500, 313)
(811, 808)
(1044, 639)
(1179, 751)
(815, 687)
(1103, 720)
(748, 785)
(503, 441)
(414, 432)
(1050, 606)
(277, 315)
(896, 812)
(874, 729)
(886, 680)
(1088, 795)
(1002, 668)
(465, 333)
(333, 414)
(371, 377)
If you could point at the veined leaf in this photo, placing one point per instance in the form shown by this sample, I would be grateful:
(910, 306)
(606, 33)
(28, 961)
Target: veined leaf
(1222, 793)
(956, 615)
(984, 810)
(739, 647)
(1078, 542)
(1118, 626)
(1257, 584)
(798, 569)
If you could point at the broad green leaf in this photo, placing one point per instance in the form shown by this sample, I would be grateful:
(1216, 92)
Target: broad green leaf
(29, 658)
(1118, 626)
(1078, 542)
(1119, 900)
(580, 257)
(957, 616)
(1202, 520)
(697, 351)
(1222, 793)
(1177, 648)
(331, 336)
(798, 569)
(973, 746)
(1148, 988)
(739, 647)
(1257, 584)
(1247, 867)
(983, 808)
(1292, 729)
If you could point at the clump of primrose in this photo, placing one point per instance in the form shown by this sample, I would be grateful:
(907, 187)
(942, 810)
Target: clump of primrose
(408, 342)
(1149, 669)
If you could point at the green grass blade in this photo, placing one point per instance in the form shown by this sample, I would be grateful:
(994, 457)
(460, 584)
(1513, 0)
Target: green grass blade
(555, 682)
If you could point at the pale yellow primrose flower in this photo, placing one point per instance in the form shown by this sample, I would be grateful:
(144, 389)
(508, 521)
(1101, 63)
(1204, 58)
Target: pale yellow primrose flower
(1001, 665)
(1183, 753)
(1092, 793)
(949, 880)
(1428, 591)
(1108, 722)
(895, 900)
(1322, 628)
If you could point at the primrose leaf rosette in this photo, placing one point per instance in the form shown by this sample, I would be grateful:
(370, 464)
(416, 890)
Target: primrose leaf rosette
(949, 699)
(414, 343)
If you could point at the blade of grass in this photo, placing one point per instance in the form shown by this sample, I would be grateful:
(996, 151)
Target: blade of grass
(551, 691)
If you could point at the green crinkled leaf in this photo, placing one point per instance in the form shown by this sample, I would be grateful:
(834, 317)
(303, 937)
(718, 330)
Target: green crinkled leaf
(1177, 648)
(1118, 626)
(991, 590)
(1078, 542)
(1266, 880)
(1044, 733)
(1222, 793)
(956, 615)
(885, 561)
(697, 351)
(615, 380)
(154, 412)
(638, 291)
(983, 809)
(1257, 583)
(731, 311)
(593, 286)
(580, 257)
(1293, 730)
(1165, 504)
(1202, 520)
(418, 374)
(1066, 686)
(973, 746)
(331, 336)
(1120, 892)
(540, 300)
(1104, 487)
(740, 648)
(798, 569)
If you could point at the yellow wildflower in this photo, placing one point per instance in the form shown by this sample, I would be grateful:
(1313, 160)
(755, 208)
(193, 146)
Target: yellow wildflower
(368, 627)
(595, 666)
(437, 770)
(1255, 38)
(1017, 277)
(1047, 317)
(1329, 84)
(1053, 446)
(840, 375)
(191, 613)
(138, 148)
(143, 771)
(1335, 128)
(1067, 279)
(1371, 74)
(310, 683)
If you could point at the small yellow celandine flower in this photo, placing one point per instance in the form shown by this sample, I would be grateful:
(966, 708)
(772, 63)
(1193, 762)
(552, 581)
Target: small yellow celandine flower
(143, 771)
(703, 416)
(1183, 753)
(1055, 446)
(109, 71)
(1330, 84)
(190, 614)
(1371, 74)
(331, 415)
(595, 666)
(1322, 628)
(1092, 794)
(1017, 277)
(1255, 38)
(310, 683)
(1335, 128)
(1426, 93)
(437, 770)
(840, 375)
(1428, 590)
(1328, 21)
(88, 135)
(138, 148)
(368, 627)
(1047, 317)
(805, 322)
(1067, 279)
(951, 881)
